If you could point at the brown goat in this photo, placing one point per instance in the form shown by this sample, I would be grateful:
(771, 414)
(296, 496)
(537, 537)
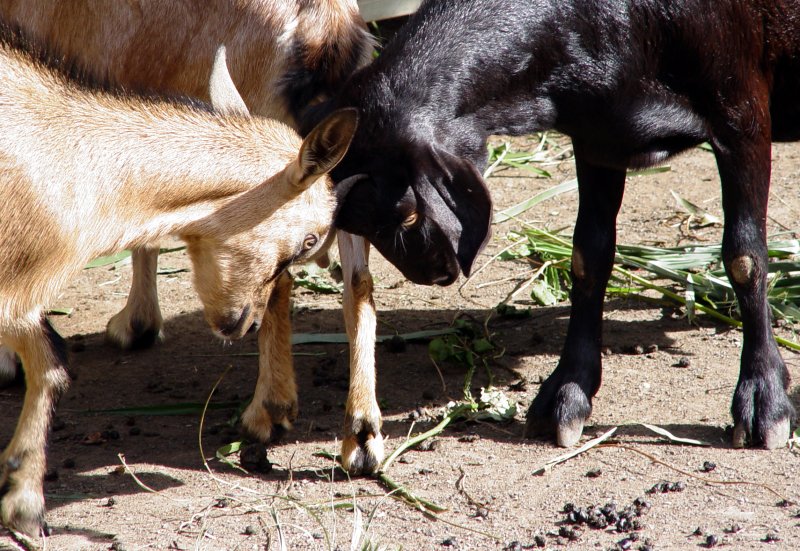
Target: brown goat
(284, 56)
(245, 194)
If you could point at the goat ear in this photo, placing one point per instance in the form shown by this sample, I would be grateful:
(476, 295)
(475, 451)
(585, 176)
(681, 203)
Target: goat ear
(464, 192)
(225, 98)
(327, 143)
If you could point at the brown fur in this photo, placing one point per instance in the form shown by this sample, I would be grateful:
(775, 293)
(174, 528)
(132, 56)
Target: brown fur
(284, 55)
(90, 174)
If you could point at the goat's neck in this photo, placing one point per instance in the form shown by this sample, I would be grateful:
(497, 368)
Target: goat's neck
(143, 174)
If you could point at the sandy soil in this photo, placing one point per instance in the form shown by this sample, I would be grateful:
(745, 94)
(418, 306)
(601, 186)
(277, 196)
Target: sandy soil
(481, 472)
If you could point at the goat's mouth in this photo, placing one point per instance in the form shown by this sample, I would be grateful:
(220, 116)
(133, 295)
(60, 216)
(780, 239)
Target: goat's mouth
(235, 327)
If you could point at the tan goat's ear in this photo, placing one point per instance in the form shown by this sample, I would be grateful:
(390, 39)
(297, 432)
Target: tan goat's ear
(327, 143)
(224, 96)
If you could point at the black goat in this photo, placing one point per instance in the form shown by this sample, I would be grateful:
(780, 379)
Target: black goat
(632, 82)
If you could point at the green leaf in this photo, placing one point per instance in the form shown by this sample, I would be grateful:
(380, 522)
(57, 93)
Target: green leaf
(107, 260)
(543, 294)
(228, 449)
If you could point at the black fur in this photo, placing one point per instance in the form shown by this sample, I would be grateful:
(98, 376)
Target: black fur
(632, 82)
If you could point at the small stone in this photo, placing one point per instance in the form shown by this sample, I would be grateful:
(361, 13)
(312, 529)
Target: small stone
(771, 537)
(110, 502)
(249, 530)
(651, 349)
(539, 540)
(733, 529)
(110, 434)
(637, 350)
(481, 512)
(708, 466)
(450, 542)
(594, 473)
(682, 362)
(712, 541)
(430, 445)
(570, 533)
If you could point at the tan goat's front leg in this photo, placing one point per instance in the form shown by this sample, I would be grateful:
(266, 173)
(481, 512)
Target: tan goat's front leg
(274, 404)
(22, 463)
(362, 447)
(139, 324)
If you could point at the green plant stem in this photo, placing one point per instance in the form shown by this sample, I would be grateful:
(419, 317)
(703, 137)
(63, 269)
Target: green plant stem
(457, 412)
(399, 492)
(705, 309)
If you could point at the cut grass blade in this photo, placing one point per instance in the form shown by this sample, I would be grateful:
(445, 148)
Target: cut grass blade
(671, 437)
(695, 272)
(569, 455)
(519, 208)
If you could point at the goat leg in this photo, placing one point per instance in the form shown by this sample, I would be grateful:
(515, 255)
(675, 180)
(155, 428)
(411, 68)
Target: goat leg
(139, 324)
(274, 404)
(564, 401)
(22, 463)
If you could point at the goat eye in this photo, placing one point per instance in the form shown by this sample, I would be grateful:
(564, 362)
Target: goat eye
(410, 220)
(309, 241)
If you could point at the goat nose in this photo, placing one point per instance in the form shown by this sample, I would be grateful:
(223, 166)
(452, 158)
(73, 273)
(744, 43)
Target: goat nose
(234, 326)
(445, 279)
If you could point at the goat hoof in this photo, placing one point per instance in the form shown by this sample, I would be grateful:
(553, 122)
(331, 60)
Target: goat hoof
(568, 434)
(771, 438)
(362, 447)
(129, 334)
(267, 423)
(561, 413)
(22, 510)
(362, 454)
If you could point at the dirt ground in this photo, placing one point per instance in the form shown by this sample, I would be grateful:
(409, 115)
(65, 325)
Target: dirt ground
(481, 473)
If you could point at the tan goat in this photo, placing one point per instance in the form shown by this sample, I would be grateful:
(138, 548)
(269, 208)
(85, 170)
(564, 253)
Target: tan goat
(284, 55)
(86, 174)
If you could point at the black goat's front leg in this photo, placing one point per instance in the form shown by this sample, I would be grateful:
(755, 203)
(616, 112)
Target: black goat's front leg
(762, 412)
(564, 401)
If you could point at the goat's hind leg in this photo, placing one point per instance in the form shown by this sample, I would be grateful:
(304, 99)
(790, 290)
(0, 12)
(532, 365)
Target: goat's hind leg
(762, 412)
(274, 404)
(22, 463)
(564, 401)
(139, 324)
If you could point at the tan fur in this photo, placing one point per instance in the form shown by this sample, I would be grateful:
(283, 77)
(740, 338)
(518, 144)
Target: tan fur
(166, 47)
(89, 174)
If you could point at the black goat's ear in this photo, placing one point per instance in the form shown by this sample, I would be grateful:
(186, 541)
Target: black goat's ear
(464, 191)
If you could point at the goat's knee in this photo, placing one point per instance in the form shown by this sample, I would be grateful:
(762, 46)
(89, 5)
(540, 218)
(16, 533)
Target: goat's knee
(742, 269)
